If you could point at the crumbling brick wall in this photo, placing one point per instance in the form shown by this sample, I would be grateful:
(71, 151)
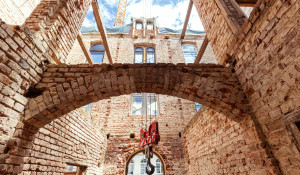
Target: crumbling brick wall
(70, 139)
(215, 144)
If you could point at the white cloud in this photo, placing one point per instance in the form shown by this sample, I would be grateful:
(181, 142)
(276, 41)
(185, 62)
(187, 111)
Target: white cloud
(112, 3)
(106, 14)
(88, 23)
(169, 15)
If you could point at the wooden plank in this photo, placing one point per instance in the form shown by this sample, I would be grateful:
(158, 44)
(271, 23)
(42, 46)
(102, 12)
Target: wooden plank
(187, 18)
(84, 49)
(202, 50)
(101, 29)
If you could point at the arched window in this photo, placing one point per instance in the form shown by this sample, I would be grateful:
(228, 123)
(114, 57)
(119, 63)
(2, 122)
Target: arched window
(97, 53)
(150, 55)
(144, 55)
(189, 52)
(139, 55)
(143, 166)
(130, 168)
(158, 166)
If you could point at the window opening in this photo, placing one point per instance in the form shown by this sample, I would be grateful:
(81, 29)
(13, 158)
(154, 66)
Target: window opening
(138, 25)
(150, 26)
(144, 102)
(97, 53)
(74, 170)
(144, 55)
(189, 52)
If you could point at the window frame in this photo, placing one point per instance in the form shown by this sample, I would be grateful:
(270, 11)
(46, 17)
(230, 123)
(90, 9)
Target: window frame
(148, 24)
(160, 166)
(144, 103)
(143, 162)
(145, 54)
(131, 163)
(97, 51)
(196, 51)
(139, 22)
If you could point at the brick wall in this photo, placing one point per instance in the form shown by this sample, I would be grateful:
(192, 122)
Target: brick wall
(69, 139)
(269, 45)
(122, 48)
(215, 144)
(222, 20)
(115, 119)
(15, 12)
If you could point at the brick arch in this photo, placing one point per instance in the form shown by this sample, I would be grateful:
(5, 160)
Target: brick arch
(157, 153)
(67, 87)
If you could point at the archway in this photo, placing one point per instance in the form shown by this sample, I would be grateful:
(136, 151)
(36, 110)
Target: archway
(67, 87)
(157, 161)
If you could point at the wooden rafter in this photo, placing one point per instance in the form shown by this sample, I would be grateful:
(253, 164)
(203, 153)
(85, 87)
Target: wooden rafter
(202, 50)
(187, 17)
(84, 49)
(101, 29)
(246, 3)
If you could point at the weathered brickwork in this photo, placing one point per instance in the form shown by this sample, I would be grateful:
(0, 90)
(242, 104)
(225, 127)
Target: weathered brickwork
(69, 139)
(20, 67)
(258, 89)
(56, 25)
(217, 13)
(67, 87)
(269, 45)
(115, 118)
(15, 12)
(23, 55)
(215, 144)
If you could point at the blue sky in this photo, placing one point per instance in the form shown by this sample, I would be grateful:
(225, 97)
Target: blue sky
(170, 13)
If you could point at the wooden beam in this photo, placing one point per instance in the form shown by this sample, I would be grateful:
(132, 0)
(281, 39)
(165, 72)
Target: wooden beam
(101, 29)
(187, 17)
(202, 50)
(84, 49)
(246, 4)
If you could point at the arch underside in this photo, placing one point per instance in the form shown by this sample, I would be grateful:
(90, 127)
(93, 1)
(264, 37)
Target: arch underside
(67, 87)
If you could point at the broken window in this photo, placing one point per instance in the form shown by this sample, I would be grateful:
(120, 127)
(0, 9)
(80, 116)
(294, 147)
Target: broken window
(189, 52)
(144, 102)
(97, 53)
(144, 55)
(139, 25)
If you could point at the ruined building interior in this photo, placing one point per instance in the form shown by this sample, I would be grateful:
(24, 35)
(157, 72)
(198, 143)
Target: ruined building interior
(227, 99)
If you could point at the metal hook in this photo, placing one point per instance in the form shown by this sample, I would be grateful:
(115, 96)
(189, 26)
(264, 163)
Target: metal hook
(150, 168)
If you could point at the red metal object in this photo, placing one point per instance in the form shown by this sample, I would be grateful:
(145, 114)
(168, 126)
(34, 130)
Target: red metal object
(150, 137)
